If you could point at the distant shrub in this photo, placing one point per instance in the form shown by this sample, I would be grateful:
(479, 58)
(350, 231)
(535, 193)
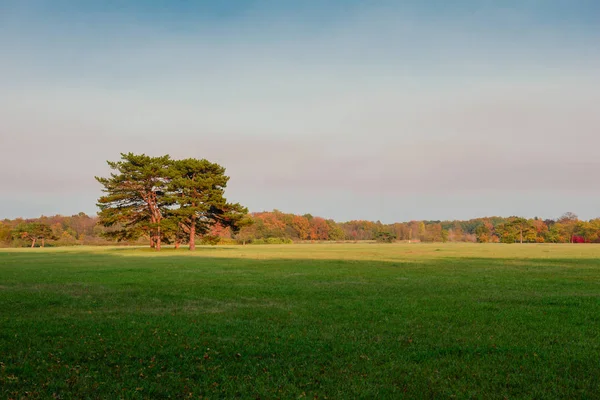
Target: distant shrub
(385, 237)
(578, 239)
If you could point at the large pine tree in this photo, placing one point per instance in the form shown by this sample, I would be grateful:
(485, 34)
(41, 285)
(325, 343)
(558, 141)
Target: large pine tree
(136, 197)
(164, 199)
(198, 188)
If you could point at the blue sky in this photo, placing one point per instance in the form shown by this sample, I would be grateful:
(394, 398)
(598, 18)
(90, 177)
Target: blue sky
(381, 110)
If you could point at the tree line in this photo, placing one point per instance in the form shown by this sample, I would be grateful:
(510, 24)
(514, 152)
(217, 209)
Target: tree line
(279, 227)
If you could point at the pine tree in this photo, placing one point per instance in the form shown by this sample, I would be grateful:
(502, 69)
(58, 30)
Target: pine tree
(198, 189)
(136, 197)
(34, 231)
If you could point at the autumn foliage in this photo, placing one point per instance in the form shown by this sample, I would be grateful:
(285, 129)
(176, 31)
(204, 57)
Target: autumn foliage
(272, 227)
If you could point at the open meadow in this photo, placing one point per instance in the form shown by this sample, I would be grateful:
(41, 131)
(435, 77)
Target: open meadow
(335, 321)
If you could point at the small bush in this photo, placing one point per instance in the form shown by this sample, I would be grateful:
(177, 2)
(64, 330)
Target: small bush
(385, 237)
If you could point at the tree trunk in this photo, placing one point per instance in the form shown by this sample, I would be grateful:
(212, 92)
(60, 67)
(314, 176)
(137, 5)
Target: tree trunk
(153, 238)
(33, 242)
(521, 234)
(158, 238)
(193, 236)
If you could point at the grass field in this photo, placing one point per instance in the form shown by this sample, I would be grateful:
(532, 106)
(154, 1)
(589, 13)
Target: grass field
(315, 321)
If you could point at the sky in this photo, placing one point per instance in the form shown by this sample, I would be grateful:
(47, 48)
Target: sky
(346, 109)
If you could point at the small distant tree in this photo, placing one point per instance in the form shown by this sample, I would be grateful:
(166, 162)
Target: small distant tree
(516, 229)
(422, 232)
(569, 222)
(520, 224)
(34, 231)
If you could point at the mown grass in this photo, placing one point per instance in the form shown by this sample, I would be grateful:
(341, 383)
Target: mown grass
(315, 321)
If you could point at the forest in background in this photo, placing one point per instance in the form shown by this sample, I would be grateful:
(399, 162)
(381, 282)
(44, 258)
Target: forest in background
(275, 227)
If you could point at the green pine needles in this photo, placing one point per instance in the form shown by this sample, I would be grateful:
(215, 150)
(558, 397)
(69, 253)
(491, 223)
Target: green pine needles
(166, 200)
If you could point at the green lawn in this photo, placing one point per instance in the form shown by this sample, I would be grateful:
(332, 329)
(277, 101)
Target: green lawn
(315, 321)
